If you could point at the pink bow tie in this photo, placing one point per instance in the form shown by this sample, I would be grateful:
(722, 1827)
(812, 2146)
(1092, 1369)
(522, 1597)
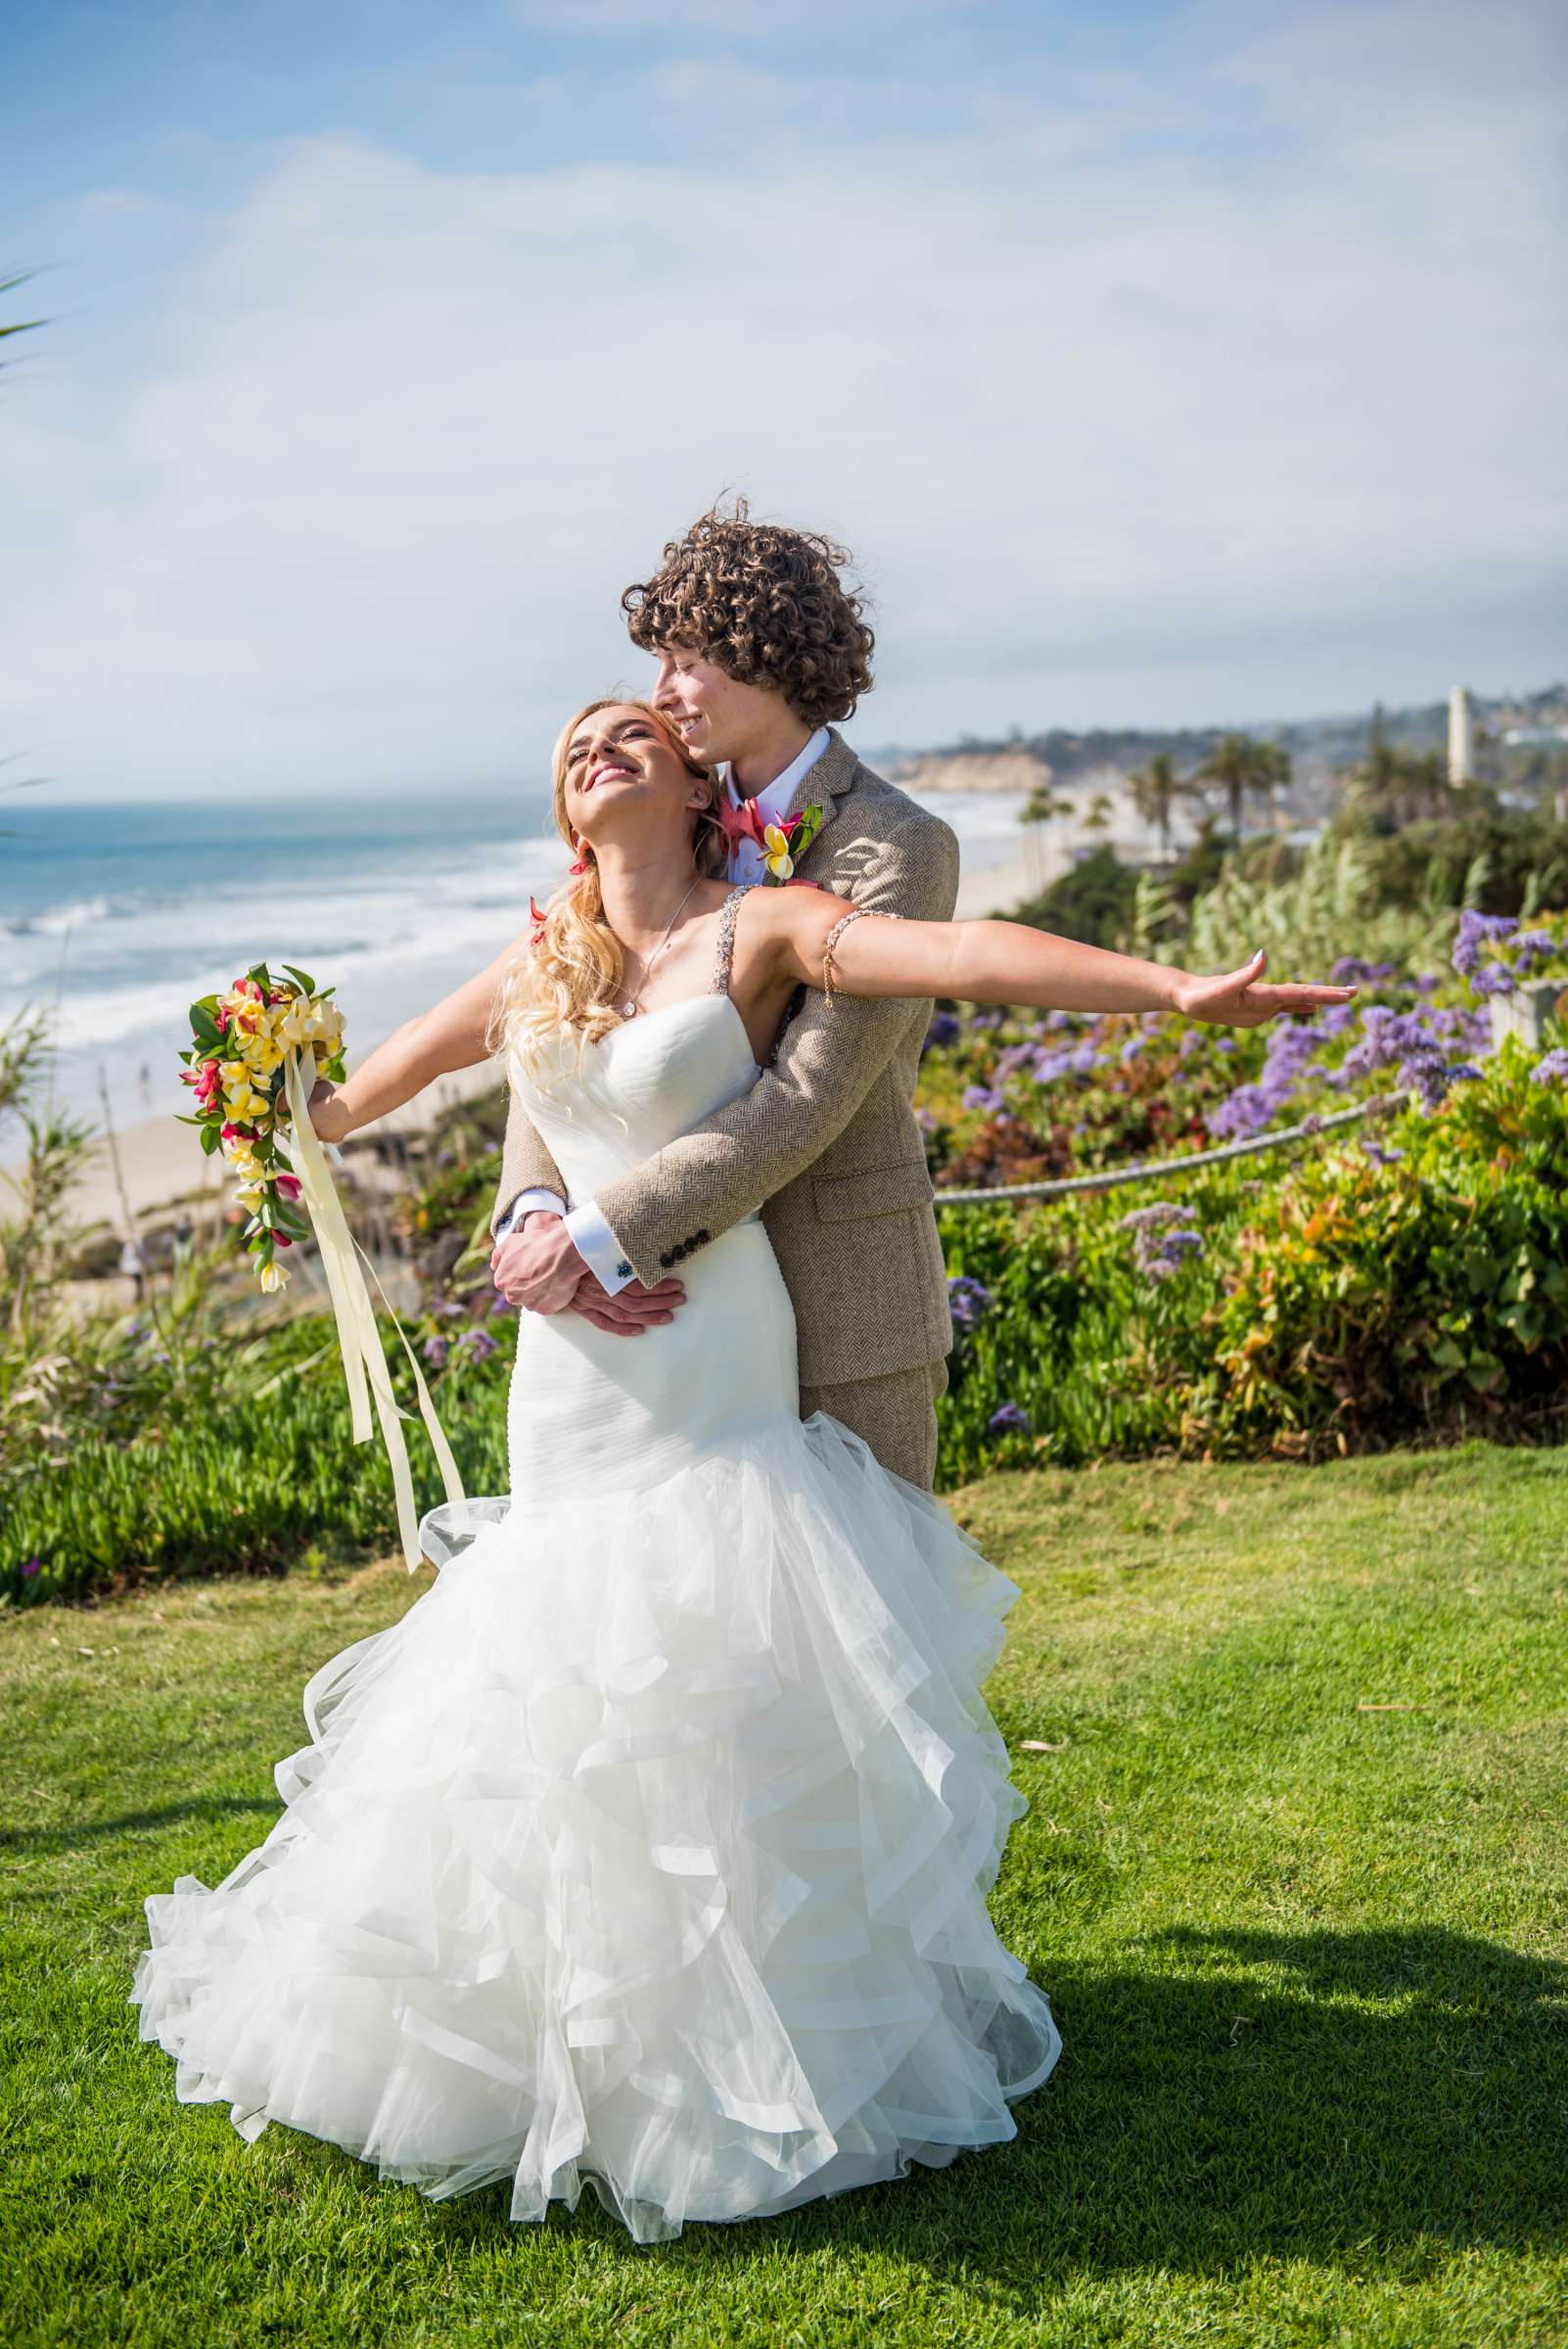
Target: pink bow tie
(741, 825)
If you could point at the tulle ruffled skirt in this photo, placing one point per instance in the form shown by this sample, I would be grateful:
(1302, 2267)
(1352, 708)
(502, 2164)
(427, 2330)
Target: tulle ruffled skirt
(649, 1850)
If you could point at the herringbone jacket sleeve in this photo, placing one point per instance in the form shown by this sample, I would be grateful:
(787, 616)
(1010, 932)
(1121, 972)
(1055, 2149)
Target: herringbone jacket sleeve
(525, 1164)
(832, 1054)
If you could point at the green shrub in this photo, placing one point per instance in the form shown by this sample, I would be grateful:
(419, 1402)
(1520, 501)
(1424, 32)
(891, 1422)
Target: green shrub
(1354, 1295)
(241, 1482)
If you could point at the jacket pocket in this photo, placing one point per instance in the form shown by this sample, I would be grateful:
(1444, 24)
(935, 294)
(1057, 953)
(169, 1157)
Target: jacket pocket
(875, 1191)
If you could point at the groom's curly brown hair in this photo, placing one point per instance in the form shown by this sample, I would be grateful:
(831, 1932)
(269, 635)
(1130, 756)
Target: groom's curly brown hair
(767, 605)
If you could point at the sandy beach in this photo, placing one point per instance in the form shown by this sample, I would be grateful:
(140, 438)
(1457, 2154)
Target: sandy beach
(155, 1162)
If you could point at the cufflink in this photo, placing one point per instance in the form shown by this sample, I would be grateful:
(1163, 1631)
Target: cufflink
(622, 1270)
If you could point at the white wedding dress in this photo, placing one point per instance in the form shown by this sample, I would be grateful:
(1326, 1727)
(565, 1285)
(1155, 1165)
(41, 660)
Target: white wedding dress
(650, 1848)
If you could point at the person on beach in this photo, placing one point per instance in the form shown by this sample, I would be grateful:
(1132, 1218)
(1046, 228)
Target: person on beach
(650, 1848)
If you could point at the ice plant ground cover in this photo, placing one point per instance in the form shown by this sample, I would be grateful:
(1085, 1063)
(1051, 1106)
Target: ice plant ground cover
(1293, 1876)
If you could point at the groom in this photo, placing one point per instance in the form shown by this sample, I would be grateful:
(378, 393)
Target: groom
(761, 646)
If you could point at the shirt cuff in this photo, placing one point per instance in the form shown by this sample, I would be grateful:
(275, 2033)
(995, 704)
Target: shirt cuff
(524, 1204)
(594, 1241)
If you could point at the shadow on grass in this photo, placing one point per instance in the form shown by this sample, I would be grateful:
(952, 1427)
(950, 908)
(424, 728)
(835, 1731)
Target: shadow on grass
(1385, 2096)
(72, 1834)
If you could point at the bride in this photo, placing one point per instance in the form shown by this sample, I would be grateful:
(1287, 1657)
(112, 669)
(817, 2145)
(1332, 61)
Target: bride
(650, 1848)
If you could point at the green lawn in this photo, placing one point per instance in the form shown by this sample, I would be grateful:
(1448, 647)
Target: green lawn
(1309, 1961)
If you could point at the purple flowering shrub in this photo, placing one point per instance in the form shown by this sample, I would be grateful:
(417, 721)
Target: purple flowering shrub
(1096, 1091)
(1380, 1302)
(1406, 1279)
(1166, 1238)
(1497, 953)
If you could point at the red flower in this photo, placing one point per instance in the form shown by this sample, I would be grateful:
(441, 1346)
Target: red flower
(538, 914)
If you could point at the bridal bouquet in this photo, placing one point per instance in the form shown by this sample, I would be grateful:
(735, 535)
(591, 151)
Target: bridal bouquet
(238, 1056)
(254, 1055)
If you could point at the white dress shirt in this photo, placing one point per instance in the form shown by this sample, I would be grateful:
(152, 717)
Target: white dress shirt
(590, 1235)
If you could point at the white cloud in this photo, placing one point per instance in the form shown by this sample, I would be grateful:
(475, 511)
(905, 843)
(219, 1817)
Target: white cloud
(1111, 425)
(116, 204)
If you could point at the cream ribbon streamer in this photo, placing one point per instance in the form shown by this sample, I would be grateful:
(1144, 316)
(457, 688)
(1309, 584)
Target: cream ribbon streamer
(363, 1361)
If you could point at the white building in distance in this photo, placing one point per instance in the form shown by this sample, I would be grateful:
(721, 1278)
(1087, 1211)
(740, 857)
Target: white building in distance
(1461, 736)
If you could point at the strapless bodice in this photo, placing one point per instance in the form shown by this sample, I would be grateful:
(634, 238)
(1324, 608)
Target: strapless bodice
(590, 1412)
(636, 1089)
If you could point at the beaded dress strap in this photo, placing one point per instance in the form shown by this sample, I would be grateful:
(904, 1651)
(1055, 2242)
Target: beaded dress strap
(726, 936)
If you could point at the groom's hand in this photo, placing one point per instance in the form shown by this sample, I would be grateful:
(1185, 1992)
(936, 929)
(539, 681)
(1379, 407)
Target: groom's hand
(538, 1269)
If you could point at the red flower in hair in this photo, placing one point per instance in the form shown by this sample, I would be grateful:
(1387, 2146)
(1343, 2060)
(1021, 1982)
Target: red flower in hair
(538, 914)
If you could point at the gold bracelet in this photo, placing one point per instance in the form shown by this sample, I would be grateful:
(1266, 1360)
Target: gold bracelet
(830, 942)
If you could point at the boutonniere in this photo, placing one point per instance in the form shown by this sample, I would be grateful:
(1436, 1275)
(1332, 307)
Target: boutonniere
(780, 843)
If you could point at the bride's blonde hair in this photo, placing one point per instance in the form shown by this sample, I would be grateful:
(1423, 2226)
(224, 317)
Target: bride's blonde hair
(571, 977)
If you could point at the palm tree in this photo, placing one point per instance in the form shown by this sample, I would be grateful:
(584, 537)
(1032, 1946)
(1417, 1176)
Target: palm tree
(1242, 766)
(1156, 789)
(1396, 787)
(17, 326)
(1097, 815)
(1041, 805)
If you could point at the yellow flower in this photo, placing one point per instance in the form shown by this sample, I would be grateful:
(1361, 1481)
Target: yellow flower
(250, 1194)
(273, 1278)
(243, 1102)
(777, 852)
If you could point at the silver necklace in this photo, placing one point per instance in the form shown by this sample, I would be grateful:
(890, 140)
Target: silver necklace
(633, 1005)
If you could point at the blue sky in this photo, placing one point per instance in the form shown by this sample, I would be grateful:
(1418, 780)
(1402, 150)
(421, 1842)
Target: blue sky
(1159, 363)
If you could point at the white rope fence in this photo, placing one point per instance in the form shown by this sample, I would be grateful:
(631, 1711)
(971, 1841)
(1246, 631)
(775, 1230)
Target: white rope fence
(1110, 1179)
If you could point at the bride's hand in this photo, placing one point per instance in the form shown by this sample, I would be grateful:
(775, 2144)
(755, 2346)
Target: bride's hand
(331, 1118)
(1236, 1000)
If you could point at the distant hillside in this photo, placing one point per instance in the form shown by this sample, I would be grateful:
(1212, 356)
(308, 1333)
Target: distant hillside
(1516, 734)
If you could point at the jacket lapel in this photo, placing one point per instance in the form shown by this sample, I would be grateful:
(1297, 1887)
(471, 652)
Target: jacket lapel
(825, 782)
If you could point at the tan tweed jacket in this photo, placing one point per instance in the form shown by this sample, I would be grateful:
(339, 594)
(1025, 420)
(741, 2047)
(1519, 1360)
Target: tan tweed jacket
(825, 1142)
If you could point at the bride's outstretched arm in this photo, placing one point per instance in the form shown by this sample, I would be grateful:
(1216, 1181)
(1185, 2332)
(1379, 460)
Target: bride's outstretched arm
(451, 1035)
(1010, 962)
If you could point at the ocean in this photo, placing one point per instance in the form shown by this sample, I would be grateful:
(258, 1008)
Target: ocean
(114, 918)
